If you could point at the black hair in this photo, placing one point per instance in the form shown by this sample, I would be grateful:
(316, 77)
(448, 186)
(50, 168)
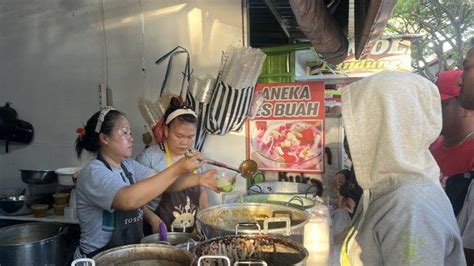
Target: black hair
(89, 140)
(176, 104)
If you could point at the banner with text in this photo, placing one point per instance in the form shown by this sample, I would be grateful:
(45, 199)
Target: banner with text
(385, 54)
(287, 135)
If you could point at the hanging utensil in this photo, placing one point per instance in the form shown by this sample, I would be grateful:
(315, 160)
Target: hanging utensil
(248, 168)
(190, 153)
(222, 165)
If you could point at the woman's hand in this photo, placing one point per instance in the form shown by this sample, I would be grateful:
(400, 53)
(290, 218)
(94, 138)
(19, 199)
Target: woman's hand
(188, 165)
(208, 179)
(152, 219)
(155, 227)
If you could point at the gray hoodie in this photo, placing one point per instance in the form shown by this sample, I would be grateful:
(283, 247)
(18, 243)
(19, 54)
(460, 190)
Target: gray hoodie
(404, 216)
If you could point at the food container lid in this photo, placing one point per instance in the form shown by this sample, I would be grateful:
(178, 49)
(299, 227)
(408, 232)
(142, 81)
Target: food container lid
(39, 206)
(60, 195)
(67, 170)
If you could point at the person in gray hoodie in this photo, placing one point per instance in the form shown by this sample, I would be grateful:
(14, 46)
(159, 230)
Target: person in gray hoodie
(403, 217)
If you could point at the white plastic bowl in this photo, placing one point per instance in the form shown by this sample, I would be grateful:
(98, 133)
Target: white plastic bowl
(65, 175)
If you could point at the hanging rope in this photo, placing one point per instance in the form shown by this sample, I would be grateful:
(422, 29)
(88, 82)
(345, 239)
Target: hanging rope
(105, 63)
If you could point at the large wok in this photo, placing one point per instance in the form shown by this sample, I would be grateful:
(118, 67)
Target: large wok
(260, 249)
(142, 255)
(274, 219)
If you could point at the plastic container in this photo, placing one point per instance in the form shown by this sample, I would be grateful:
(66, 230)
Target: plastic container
(66, 175)
(61, 198)
(40, 210)
(225, 181)
(59, 209)
(320, 243)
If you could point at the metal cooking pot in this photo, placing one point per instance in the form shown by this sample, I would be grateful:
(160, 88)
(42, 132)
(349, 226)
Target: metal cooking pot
(12, 204)
(298, 202)
(274, 219)
(181, 240)
(289, 188)
(141, 255)
(251, 249)
(39, 176)
(32, 244)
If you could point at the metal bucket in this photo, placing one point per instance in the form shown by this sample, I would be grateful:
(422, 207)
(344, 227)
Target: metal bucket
(141, 255)
(274, 219)
(251, 249)
(32, 244)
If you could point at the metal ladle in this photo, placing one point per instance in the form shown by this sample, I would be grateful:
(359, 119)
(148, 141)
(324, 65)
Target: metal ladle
(247, 168)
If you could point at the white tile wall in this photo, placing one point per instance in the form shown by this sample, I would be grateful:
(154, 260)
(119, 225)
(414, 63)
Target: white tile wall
(50, 67)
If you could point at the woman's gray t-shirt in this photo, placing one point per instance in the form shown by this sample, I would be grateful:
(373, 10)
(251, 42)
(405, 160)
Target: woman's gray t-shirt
(96, 188)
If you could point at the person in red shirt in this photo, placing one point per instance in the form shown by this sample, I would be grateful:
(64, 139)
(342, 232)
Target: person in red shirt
(454, 152)
(467, 82)
(454, 149)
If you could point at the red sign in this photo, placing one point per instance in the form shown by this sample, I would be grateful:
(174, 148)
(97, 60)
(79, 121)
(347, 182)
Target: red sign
(287, 135)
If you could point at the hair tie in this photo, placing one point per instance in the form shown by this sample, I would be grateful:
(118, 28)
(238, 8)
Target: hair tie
(81, 131)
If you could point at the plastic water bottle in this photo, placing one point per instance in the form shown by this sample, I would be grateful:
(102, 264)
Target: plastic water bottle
(317, 236)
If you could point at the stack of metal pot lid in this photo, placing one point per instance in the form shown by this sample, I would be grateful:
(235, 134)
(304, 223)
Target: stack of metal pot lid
(298, 202)
(288, 188)
(251, 249)
(273, 219)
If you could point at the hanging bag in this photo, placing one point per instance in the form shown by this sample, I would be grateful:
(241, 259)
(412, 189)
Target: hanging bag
(198, 97)
(165, 99)
(233, 90)
(228, 108)
(185, 96)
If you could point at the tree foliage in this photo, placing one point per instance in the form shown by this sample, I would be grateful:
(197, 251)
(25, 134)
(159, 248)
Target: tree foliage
(446, 26)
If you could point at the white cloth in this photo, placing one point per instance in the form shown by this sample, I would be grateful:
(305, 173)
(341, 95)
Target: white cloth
(404, 216)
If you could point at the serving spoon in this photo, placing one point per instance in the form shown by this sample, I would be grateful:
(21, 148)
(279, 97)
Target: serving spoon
(247, 168)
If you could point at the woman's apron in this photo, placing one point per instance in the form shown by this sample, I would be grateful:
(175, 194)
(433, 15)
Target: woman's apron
(178, 209)
(128, 225)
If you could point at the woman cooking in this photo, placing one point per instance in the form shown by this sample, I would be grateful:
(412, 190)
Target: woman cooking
(112, 188)
(176, 209)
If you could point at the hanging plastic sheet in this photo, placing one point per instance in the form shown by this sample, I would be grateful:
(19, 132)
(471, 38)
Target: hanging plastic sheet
(233, 91)
(198, 96)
